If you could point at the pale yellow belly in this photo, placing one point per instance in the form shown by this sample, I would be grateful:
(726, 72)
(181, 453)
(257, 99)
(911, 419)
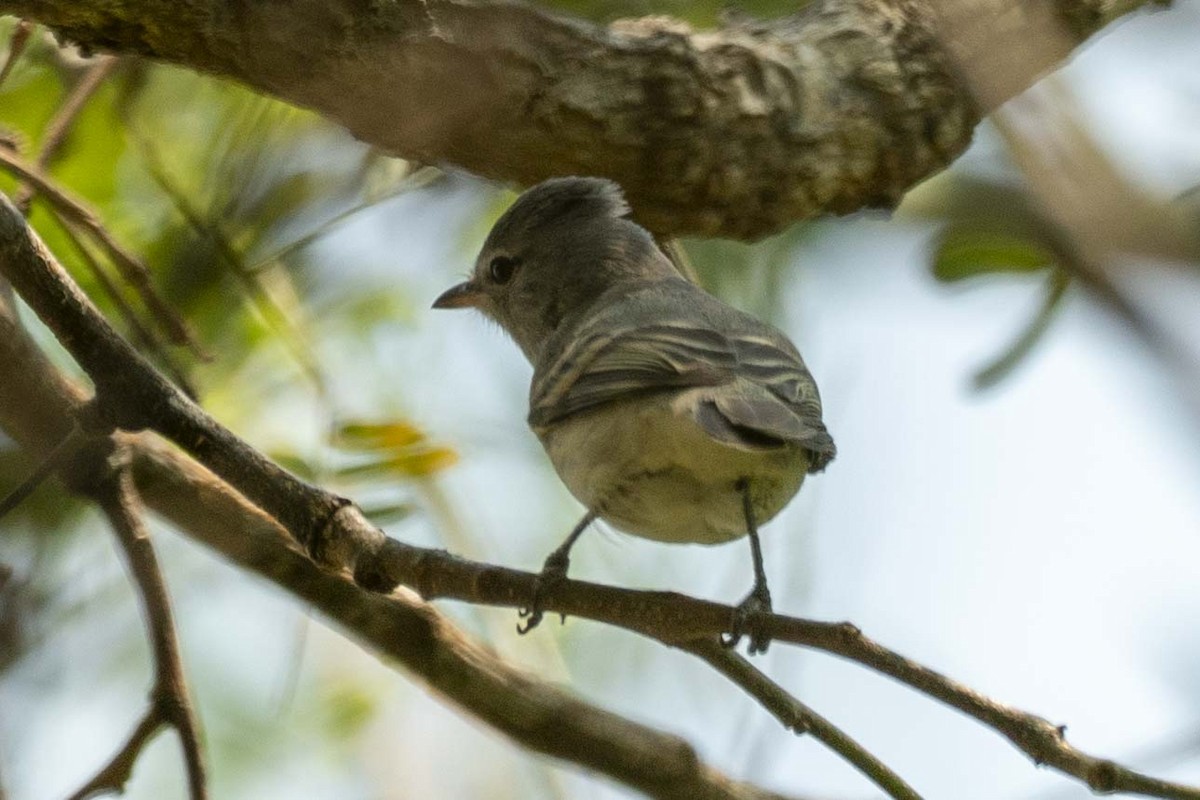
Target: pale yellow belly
(650, 470)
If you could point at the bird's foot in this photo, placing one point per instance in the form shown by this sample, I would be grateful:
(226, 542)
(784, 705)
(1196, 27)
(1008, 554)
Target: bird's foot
(749, 620)
(554, 572)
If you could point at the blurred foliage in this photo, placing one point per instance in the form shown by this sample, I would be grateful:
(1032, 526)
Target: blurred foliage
(349, 706)
(991, 228)
(47, 507)
(752, 277)
(221, 198)
(387, 454)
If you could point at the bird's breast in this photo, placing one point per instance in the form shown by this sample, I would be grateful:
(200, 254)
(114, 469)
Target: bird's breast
(649, 469)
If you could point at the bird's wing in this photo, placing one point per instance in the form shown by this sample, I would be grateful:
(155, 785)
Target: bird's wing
(611, 363)
(775, 400)
(763, 396)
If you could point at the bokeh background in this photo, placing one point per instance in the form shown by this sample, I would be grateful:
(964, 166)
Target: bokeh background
(1016, 501)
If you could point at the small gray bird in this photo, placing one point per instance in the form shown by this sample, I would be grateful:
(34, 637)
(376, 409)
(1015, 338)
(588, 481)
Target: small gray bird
(667, 413)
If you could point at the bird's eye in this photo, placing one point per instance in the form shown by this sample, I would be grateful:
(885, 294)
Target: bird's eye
(501, 268)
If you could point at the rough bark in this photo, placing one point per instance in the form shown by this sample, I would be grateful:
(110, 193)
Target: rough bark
(734, 132)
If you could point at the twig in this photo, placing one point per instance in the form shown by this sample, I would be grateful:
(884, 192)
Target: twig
(143, 335)
(418, 178)
(131, 386)
(676, 620)
(679, 257)
(16, 46)
(170, 703)
(115, 774)
(798, 717)
(132, 269)
(137, 396)
(61, 453)
(59, 127)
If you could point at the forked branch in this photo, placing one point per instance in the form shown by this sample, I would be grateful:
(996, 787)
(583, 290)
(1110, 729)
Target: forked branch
(170, 699)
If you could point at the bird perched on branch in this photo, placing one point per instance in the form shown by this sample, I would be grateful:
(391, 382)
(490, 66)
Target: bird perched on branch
(667, 413)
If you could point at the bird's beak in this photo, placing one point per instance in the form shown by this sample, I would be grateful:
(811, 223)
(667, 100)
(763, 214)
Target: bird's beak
(464, 295)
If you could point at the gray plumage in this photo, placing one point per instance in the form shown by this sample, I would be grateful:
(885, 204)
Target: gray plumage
(653, 399)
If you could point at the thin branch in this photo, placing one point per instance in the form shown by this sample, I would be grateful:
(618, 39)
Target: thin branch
(53, 461)
(677, 620)
(798, 717)
(113, 776)
(137, 397)
(144, 336)
(418, 178)
(16, 46)
(60, 125)
(170, 698)
(131, 268)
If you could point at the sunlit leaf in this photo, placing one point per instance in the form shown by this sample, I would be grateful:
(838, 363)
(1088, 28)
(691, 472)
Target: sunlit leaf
(416, 462)
(391, 435)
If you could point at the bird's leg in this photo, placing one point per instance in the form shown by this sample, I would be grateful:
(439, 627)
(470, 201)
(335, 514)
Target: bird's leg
(748, 616)
(554, 571)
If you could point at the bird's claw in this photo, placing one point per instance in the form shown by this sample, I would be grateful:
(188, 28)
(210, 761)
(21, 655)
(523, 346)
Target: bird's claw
(532, 617)
(554, 572)
(748, 620)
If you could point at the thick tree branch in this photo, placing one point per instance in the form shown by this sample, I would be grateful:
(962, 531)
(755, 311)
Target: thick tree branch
(134, 392)
(735, 132)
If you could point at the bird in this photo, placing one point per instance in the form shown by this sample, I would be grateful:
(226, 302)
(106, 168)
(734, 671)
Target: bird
(667, 413)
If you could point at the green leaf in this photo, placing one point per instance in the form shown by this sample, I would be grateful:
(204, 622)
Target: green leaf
(968, 252)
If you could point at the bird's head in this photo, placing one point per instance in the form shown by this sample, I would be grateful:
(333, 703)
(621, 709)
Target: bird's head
(552, 254)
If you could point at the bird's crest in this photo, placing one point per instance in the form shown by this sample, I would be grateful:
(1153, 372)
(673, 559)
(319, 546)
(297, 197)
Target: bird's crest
(561, 199)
